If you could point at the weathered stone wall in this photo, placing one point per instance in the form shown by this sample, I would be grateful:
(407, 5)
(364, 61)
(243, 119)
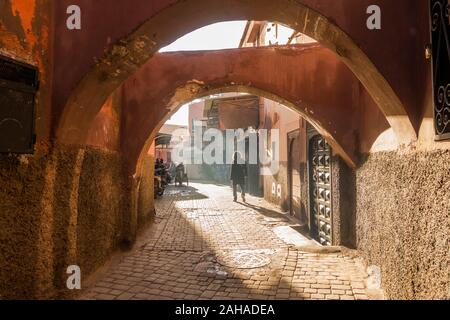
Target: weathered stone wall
(403, 221)
(103, 207)
(56, 209)
(146, 204)
(21, 209)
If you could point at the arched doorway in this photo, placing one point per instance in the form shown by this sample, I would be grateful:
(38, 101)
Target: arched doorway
(132, 52)
(193, 91)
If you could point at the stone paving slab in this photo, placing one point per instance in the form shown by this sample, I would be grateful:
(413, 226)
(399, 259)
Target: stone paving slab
(204, 246)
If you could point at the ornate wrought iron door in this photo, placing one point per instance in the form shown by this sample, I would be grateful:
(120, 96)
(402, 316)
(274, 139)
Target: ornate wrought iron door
(440, 37)
(321, 190)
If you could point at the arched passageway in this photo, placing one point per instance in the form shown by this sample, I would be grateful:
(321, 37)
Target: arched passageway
(125, 58)
(307, 79)
(191, 92)
(69, 203)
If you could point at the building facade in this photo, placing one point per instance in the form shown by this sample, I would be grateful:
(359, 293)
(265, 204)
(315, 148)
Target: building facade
(219, 113)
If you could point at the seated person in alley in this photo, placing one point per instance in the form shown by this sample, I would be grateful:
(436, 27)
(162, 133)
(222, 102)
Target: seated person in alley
(238, 174)
(159, 167)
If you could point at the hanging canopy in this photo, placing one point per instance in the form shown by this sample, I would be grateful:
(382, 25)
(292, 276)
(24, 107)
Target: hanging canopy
(163, 139)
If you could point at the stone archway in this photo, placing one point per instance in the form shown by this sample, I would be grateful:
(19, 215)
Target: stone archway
(193, 91)
(142, 195)
(310, 78)
(125, 58)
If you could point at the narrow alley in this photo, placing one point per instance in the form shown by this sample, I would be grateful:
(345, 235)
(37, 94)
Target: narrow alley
(204, 246)
(329, 119)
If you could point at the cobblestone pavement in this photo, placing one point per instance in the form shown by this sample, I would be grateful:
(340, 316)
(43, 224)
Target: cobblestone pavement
(204, 246)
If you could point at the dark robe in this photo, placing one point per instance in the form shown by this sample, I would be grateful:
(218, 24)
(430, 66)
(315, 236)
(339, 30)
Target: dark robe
(238, 173)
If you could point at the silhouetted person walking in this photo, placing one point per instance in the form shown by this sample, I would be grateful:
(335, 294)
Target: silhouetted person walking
(238, 174)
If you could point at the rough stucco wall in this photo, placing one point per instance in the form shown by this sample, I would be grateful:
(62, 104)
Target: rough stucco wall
(22, 187)
(51, 217)
(279, 179)
(63, 235)
(146, 205)
(403, 221)
(343, 185)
